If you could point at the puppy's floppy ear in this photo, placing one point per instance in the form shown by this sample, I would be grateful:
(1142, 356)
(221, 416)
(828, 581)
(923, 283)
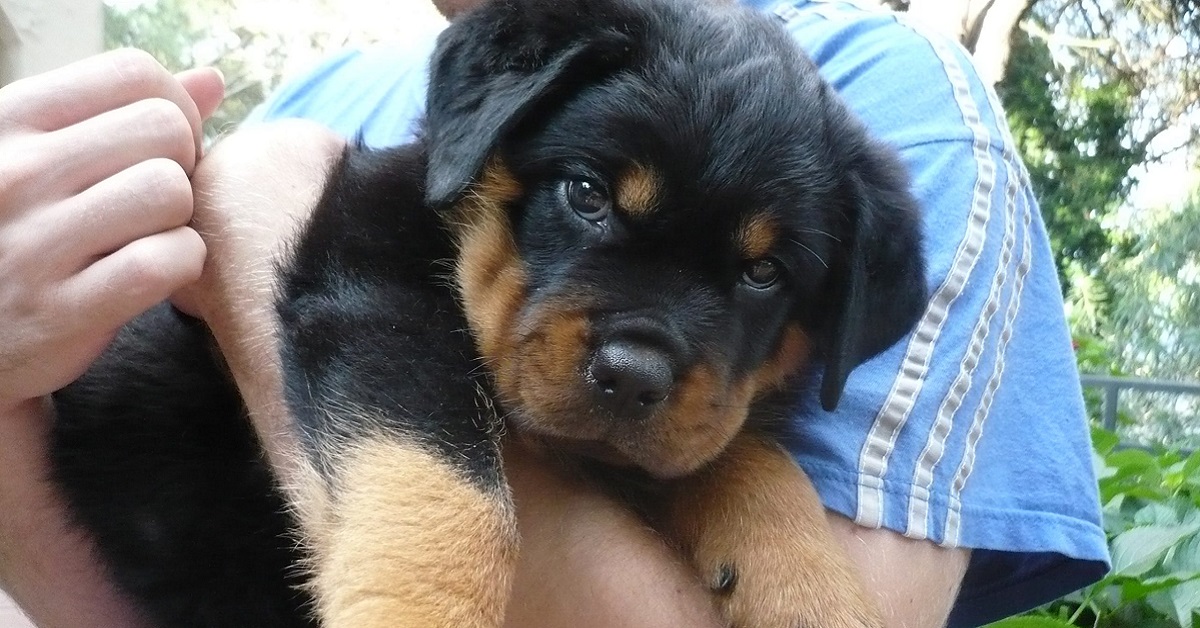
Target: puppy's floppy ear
(877, 286)
(496, 64)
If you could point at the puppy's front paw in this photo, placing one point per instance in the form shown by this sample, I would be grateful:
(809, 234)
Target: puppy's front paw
(776, 583)
(752, 526)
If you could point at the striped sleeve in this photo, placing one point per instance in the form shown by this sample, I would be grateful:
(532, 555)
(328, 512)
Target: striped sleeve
(971, 431)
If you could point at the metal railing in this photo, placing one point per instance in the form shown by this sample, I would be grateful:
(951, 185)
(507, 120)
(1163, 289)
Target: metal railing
(1112, 387)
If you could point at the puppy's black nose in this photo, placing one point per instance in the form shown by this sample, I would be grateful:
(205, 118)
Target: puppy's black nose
(630, 378)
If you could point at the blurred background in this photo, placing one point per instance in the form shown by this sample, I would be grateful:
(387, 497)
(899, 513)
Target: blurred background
(1103, 99)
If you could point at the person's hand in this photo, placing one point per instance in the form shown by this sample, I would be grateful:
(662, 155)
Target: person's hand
(95, 197)
(94, 203)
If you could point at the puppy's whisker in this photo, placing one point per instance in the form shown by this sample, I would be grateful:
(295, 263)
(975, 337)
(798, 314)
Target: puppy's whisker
(806, 248)
(820, 232)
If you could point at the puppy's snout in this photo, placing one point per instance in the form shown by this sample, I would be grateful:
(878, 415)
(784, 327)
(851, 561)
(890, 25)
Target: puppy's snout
(630, 378)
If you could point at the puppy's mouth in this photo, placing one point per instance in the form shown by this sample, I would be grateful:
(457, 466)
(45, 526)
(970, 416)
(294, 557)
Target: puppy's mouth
(599, 451)
(622, 393)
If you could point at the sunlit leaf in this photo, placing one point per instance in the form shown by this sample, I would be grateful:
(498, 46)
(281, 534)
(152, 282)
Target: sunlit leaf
(1138, 550)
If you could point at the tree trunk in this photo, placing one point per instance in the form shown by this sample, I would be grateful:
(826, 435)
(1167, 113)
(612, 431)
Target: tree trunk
(984, 27)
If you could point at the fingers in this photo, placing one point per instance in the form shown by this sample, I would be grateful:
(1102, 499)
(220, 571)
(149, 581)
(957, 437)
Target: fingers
(87, 88)
(77, 157)
(121, 285)
(94, 199)
(147, 198)
(206, 86)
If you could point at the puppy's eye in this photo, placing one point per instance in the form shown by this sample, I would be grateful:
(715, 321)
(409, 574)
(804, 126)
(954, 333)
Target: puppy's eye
(588, 198)
(761, 274)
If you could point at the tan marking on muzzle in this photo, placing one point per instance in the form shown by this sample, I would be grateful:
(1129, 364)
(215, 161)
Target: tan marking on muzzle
(489, 274)
(708, 410)
(546, 371)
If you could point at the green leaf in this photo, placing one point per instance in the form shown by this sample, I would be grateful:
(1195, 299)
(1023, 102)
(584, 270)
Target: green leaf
(1131, 460)
(1135, 589)
(1101, 467)
(1186, 557)
(1138, 550)
(1192, 465)
(1030, 622)
(1157, 514)
(1186, 600)
(1104, 441)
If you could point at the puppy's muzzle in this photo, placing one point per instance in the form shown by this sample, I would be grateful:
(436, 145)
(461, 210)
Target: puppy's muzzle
(633, 370)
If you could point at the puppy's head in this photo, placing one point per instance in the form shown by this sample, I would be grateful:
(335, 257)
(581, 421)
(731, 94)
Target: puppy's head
(663, 213)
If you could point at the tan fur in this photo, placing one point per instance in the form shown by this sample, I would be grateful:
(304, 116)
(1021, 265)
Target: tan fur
(541, 372)
(545, 373)
(490, 277)
(637, 190)
(707, 411)
(753, 510)
(789, 358)
(756, 236)
(704, 413)
(407, 540)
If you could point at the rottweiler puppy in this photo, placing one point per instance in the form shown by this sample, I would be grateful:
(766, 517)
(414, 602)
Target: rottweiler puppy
(629, 229)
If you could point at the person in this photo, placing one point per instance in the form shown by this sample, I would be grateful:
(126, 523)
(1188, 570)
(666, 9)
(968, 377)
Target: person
(94, 206)
(957, 467)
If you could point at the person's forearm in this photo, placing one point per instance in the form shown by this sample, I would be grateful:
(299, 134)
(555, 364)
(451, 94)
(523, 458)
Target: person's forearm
(46, 565)
(588, 561)
(914, 582)
(253, 192)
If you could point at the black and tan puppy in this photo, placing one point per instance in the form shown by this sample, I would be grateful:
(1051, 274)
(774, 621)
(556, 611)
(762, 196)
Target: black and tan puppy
(644, 218)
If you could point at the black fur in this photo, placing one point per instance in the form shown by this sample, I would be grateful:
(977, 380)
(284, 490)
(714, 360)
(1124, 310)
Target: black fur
(158, 462)
(369, 320)
(152, 446)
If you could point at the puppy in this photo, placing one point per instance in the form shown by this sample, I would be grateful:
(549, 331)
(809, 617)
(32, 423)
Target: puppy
(645, 219)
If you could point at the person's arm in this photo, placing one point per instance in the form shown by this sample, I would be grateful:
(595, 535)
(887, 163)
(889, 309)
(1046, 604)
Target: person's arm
(45, 565)
(94, 206)
(914, 582)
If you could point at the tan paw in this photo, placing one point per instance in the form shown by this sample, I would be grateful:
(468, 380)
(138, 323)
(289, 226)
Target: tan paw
(752, 526)
(780, 587)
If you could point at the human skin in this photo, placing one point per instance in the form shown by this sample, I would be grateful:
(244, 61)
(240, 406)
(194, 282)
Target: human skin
(94, 206)
(585, 560)
(915, 582)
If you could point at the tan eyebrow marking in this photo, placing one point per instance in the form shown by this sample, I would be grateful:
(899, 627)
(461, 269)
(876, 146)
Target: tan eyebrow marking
(637, 190)
(756, 236)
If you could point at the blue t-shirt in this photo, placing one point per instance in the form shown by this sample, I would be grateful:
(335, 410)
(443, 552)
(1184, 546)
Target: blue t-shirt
(969, 433)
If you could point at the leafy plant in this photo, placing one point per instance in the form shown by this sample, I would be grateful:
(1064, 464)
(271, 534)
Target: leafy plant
(1151, 502)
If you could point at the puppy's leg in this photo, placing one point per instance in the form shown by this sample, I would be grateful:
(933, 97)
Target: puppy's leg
(407, 539)
(351, 358)
(754, 528)
(407, 515)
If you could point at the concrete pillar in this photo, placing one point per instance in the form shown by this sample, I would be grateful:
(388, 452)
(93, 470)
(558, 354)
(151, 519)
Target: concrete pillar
(40, 35)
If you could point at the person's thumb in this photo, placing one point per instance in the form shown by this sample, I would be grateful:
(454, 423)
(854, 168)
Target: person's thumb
(206, 86)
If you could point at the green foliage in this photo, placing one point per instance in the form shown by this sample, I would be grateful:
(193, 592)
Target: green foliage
(1092, 90)
(1096, 91)
(1070, 136)
(1151, 504)
(1156, 293)
(184, 34)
